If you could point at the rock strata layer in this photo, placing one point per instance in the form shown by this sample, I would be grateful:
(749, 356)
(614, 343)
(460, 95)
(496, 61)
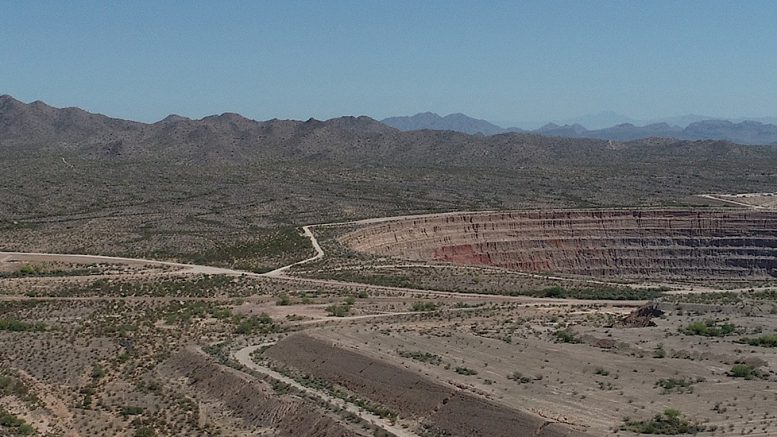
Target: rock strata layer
(666, 243)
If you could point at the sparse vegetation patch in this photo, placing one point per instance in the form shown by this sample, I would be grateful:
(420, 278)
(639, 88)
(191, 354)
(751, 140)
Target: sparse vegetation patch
(709, 328)
(761, 341)
(424, 357)
(670, 422)
(20, 326)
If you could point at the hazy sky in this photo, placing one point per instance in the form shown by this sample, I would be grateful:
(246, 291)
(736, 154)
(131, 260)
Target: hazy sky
(503, 61)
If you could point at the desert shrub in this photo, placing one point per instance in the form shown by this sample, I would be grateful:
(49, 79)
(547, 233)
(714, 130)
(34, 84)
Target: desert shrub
(198, 286)
(670, 422)
(97, 371)
(336, 310)
(185, 312)
(11, 424)
(565, 336)
(745, 371)
(392, 280)
(145, 431)
(10, 385)
(659, 351)
(19, 326)
(250, 325)
(35, 270)
(131, 411)
(271, 248)
(466, 371)
(424, 306)
(424, 357)
(468, 305)
(557, 292)
(283, 300)
(709, 328)
(599, 292)
(519, 378)
(762, 341)
(677, 385)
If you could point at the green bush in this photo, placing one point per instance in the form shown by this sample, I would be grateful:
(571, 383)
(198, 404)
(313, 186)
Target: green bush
(565, 336)
(336, 310)
(271, 248)
(424, 357)
(554, 292)
(97, 371)
(709, 328)
(745, 371)
(249, 325)
(13, 424)
(599, 292)
(19, 326)
(671, 422)
(519, 378)
(762, 341)
(466, 371)
(424, 306)
(145, 431)
(131, 411)
(677, 385)
(13, 386)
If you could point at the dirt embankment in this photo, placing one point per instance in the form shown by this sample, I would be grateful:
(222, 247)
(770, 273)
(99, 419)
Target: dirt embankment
(254, 402)
(668, 243)
(441, 409)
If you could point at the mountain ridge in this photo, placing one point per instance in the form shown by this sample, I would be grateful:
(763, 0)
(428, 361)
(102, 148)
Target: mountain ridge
(742, 132)
(36, 129)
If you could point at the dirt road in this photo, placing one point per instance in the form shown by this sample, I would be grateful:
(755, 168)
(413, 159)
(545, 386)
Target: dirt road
(243, 356)
(319, 254)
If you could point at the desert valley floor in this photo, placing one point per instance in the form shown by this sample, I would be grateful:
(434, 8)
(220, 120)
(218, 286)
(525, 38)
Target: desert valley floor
(544, 323)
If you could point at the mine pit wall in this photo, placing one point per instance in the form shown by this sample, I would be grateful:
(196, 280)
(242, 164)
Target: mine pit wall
(444, 410)
(667, 243)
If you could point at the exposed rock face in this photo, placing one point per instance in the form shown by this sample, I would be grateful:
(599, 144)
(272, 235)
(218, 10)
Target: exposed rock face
(677, 243)
(642, 317)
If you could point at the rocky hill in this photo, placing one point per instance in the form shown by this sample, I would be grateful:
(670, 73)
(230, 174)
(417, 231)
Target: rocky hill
(37, 129)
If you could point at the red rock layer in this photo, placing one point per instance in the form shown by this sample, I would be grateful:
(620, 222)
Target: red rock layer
(677, 243)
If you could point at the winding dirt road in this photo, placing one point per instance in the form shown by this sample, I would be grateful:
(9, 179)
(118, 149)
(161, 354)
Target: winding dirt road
(243, 356)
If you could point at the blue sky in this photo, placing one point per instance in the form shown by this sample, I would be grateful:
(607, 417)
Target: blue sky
(504, 61)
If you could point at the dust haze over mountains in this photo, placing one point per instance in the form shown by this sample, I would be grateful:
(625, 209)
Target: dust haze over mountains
(696, 128)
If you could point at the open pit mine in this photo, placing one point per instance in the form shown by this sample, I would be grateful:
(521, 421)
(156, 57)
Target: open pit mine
(653, 243)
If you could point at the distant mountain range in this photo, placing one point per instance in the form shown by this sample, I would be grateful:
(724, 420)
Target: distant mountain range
(38, 131)
(742, 132)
